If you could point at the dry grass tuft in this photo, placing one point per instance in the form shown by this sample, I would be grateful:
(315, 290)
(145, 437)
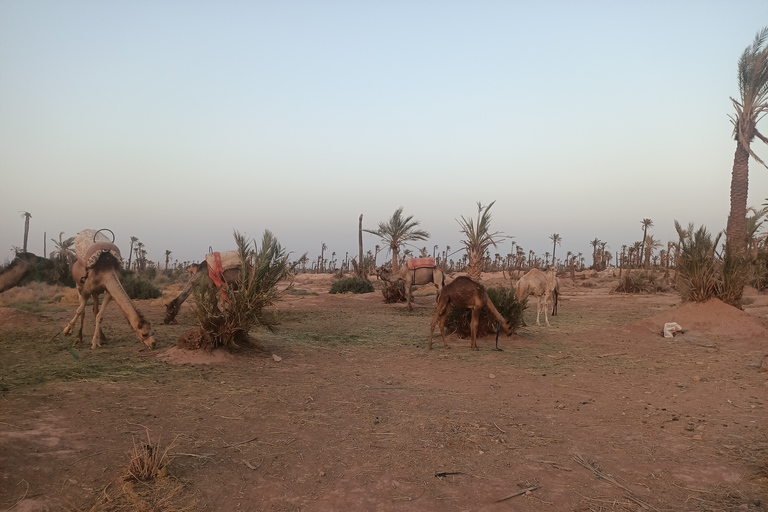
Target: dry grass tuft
(147, 461)
(146, 486)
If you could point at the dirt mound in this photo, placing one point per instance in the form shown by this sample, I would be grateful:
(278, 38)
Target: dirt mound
(176, 355)
(711, 317)
(10, 317)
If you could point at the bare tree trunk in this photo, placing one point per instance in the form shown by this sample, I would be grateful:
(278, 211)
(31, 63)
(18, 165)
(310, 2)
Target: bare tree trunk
(27, 216)
(360, 247)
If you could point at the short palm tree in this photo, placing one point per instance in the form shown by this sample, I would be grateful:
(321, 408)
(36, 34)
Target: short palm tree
(595, 244)
(397, 231)
(753, 105)
(478, 239)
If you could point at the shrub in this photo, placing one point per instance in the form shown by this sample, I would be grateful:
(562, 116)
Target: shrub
(393, 292)
(138, 288)
(352, 284)
(702, 274)
(640, 282)
(459, 319)
(225, 315)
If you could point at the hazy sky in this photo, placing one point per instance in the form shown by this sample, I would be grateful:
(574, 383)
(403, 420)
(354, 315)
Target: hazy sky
(179, 122)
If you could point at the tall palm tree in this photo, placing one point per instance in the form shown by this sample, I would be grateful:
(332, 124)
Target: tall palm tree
(478, 239)
(556, 239)
(753, 91)
(397, 231)
(647, 223)
(167, 258)
(130, 252)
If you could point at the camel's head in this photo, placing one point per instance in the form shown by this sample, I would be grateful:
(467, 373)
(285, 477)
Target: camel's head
(382, 273)
(171, 310)
(193, 268)
(144, 332)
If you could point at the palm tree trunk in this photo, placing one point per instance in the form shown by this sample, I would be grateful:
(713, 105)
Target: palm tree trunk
(360, 247)
(736, 230)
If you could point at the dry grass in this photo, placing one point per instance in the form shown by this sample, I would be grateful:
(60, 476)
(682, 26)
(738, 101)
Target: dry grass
(146, 486)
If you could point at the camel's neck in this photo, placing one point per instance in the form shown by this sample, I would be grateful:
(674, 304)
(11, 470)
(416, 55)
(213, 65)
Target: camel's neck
(115, 289)
(11, 276)
(187, 290)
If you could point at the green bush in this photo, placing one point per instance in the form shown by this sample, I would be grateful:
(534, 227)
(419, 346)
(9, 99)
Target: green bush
(226, 315)
(352, 284)
(640, 282)
(139, 289)
(505, 300)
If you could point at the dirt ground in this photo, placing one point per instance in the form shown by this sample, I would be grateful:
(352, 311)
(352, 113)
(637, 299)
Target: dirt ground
(344, 408)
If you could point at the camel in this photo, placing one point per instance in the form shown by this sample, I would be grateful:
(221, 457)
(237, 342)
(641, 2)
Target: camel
(22, 264)
(230, 275)
(544, 286)
(96, 271)
(463, 292)
(418, 271)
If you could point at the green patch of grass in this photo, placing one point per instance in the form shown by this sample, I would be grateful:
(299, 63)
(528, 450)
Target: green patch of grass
(296, 291)
(35, 306)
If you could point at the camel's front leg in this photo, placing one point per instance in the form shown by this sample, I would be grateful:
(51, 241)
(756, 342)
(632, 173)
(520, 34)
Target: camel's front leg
(98, 334)
(80, 313)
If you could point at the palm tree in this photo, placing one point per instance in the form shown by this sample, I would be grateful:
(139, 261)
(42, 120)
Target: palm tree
(556, 239)
(650, 244)
(479, 239)
(167, 258)
(647, 223)
(595, 244)
(397, 231)
(130, 252)
(321, 265)
(753, 89)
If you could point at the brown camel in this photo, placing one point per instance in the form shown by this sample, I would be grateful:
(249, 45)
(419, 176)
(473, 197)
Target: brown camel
(96, 271)
(544, 286)
(463, 292)
(411, 276)
(200, 272)
(22, 264)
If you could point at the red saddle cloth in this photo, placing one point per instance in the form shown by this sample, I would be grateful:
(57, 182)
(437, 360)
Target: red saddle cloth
(414, 263)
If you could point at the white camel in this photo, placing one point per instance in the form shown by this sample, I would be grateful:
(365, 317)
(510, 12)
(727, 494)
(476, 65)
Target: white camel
(544, 286)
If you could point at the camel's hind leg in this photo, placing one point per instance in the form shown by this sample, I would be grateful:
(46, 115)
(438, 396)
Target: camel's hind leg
(441, 314)
(98, 333)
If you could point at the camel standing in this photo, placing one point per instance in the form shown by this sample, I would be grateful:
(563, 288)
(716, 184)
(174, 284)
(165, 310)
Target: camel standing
(95, 272)
(544, 286)
(410, 276)
(199, 272)
(463, 292)
(22, 264)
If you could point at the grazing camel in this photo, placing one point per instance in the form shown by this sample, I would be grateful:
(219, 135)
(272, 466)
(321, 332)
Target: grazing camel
(544, 286)
(463, 292)
(418, 271)
(96, 271)
(22, 264)
(228, 272)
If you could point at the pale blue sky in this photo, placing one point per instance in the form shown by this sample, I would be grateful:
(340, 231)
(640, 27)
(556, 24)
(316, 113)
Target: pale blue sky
(178, 122)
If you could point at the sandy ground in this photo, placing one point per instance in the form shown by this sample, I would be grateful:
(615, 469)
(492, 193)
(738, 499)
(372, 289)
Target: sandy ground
(345, 408)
